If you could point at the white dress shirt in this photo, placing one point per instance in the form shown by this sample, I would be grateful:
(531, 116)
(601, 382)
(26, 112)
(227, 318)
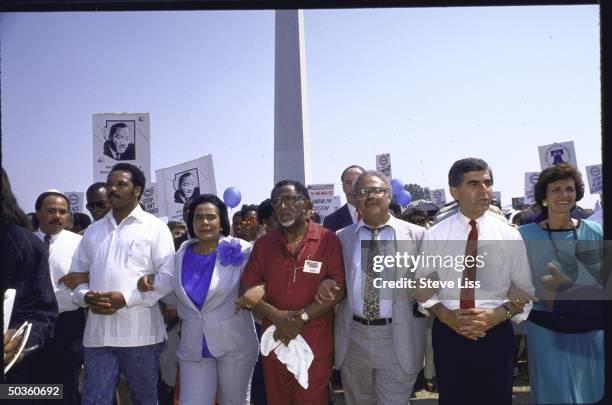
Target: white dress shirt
(385, 232)
(503, 254)
(61, 250)
(116, 256)
(352, 211)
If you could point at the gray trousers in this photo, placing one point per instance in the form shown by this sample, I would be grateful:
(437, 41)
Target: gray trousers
(371, 373)
(228, 376)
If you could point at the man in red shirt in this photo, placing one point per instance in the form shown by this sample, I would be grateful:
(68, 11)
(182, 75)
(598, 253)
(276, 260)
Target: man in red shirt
(291, 262)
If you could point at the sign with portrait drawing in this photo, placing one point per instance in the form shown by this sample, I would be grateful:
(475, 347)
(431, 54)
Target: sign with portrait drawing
(185, 181)
(557, 153)
(121, 138)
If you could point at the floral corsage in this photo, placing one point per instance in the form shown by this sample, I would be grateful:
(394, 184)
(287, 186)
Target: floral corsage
(230, 252)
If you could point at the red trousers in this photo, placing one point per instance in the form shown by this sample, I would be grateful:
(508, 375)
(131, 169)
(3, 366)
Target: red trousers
(283, 389)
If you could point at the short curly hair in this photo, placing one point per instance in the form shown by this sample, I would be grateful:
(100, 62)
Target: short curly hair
(562, 171)
(221, 207)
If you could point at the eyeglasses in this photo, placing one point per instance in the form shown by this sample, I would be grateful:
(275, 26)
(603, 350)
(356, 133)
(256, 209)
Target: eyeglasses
(374, 191)
(97, 204)
(287, 201)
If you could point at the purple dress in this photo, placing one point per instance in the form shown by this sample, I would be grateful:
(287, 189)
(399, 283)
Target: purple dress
(196, 276)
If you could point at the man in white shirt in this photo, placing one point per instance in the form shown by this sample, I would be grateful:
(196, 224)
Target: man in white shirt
(125, 327)
(472, 335)
(62, 355)
(347, 214)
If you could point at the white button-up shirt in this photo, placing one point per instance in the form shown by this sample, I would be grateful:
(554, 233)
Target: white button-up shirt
(116, 256)
(386, 232)
(502, 251)
(61, 250)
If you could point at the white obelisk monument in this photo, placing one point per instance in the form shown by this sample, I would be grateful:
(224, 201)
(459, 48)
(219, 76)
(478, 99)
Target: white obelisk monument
(291, 140)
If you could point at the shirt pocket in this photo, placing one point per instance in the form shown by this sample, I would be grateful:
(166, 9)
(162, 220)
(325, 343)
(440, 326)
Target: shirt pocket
(138, 256)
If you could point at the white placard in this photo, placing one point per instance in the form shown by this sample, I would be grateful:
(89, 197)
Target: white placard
(322, 198)
(149, 199)
(557, 153)
(438, 197)
(595, 179)
(531, 178)
(337, 203)
(121, 138)
(383, 165)
(75, 198)
(178, 183)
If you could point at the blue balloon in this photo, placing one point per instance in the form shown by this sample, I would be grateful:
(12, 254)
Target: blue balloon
(232, 197)
(397, 186)
(403, 198)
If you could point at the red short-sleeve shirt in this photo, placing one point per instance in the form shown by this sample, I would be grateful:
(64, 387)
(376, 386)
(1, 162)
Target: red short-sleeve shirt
(288, 287)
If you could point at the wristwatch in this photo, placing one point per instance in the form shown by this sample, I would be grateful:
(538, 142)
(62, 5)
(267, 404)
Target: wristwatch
(304, 316)
(508, 312)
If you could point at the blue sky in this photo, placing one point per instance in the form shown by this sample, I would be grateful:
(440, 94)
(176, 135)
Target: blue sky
(430, 86)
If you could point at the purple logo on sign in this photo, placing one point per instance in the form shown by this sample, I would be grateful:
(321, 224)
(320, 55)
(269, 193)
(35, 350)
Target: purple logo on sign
(534, 178)
(595, 171)
(74, 199)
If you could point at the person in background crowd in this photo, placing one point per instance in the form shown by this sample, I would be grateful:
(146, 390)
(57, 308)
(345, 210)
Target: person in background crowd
(379, 342)
(32, 218)
(415, 216)
(124, 328)
(563, 367)
(218, 346)
(266, 217)
(248, 220)
(25, 268)
(80, 222)
(178, 229)
(347, 214)
(97, 200)
(62, 356)
(278, 260)
(472, 335)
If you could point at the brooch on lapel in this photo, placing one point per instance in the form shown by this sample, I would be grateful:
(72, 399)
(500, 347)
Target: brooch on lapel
(230, 253)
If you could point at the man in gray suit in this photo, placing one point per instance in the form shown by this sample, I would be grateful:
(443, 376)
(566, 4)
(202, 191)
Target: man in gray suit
(379, 344)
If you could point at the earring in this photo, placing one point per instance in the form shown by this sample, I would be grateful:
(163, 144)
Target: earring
(544, 203)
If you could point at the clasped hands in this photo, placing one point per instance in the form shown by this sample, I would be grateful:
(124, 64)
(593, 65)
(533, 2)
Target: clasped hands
(104, 303)
(288, 324)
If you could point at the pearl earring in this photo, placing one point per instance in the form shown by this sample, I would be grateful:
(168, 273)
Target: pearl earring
(544, 203)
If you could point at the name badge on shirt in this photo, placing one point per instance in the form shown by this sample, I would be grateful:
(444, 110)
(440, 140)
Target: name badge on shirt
(310, 266)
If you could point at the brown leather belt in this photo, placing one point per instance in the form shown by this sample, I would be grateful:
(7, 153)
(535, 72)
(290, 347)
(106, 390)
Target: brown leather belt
(373, 322)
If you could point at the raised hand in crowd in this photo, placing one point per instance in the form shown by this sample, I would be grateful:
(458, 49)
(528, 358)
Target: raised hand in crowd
(73, 280)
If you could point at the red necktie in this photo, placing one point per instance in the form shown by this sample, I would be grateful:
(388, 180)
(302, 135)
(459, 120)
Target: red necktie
(466, 297)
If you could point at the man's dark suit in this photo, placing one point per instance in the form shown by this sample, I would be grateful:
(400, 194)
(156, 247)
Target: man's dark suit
(338, 219)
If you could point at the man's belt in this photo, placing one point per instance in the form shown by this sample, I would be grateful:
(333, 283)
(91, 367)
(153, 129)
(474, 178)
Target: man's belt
(373, 322)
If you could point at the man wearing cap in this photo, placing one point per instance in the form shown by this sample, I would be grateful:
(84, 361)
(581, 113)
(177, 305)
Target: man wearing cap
(62, 356)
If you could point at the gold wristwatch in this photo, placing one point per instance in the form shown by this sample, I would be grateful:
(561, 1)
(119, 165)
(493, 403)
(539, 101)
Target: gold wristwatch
(508, 312)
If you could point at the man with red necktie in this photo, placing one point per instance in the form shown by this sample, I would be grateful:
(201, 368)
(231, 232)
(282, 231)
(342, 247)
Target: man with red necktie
(472, 334)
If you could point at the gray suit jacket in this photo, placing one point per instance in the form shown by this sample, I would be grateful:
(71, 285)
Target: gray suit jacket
(224, 331)
(408, 331)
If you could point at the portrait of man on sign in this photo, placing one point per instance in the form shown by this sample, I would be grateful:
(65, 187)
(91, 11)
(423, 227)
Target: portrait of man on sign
(186, 185)
(120, 143)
